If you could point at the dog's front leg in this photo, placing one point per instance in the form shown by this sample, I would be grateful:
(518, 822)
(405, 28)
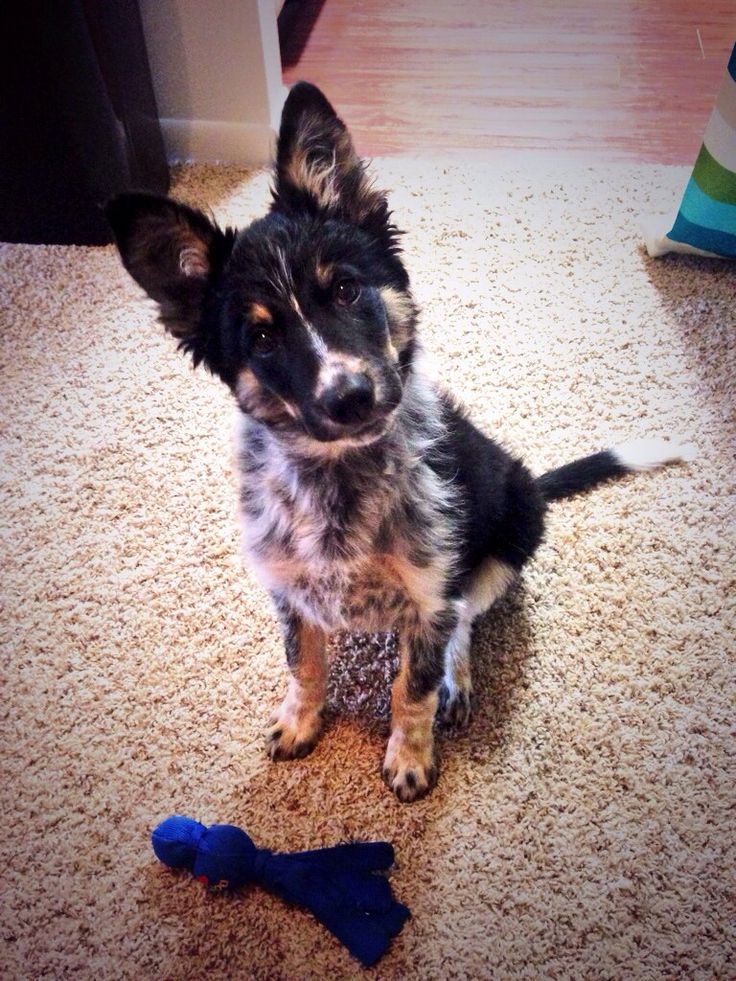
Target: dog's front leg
(409, 767)
(294, 728)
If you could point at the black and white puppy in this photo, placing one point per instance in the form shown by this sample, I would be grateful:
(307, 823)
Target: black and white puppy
(369, 501)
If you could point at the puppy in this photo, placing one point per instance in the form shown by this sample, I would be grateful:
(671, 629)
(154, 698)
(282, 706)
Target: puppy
(369, 500)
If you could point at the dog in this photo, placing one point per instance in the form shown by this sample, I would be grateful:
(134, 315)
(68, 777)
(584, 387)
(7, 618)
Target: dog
(369, 500)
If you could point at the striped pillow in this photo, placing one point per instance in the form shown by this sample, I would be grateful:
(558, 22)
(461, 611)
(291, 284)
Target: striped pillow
(706, 221)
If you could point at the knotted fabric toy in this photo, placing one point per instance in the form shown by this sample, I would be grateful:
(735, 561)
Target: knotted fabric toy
(338, 885)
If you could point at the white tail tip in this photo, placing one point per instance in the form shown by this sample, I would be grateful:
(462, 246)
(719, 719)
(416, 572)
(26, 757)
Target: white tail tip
(648, 454)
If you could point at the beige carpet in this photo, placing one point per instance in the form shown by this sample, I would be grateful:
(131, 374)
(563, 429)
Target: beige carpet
(584, 825)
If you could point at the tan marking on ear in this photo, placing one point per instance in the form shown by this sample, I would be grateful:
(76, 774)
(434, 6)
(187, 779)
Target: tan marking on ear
(317, 172)
(320, 161)
(193, 260)
(316, 177)
(260, 314)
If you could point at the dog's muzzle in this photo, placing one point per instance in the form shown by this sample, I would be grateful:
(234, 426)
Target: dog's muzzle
(351, 408)
(350, 400)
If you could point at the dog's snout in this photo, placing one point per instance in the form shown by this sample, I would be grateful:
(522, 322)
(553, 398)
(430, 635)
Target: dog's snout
(350, 399)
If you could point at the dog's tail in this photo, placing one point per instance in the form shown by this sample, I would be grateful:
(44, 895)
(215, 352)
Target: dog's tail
(589, 471)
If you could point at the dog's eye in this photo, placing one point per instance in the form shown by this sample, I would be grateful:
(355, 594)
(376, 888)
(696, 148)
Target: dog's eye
(347, 291)
(262, 341)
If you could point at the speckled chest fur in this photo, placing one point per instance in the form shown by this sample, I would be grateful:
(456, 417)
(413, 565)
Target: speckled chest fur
(359, 542)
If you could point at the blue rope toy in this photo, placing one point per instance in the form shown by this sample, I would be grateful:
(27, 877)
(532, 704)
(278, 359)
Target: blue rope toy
(338, 885)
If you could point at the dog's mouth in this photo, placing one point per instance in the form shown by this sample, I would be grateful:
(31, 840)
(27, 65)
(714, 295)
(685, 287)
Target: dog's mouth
(325, 430)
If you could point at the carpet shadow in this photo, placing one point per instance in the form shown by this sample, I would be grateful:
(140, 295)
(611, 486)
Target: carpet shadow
(705, 318)
(364, 665)
(502, 642)
(362, 668)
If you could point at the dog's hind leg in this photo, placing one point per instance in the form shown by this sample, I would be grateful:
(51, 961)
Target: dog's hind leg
(456, 690)
(295, 726)
(487, 584)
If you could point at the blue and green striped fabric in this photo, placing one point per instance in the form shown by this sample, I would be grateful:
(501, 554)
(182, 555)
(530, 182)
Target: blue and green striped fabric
(706, 221)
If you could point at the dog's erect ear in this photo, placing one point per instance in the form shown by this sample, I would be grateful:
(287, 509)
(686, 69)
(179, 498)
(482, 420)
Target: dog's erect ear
(175, 253)
(317, 167)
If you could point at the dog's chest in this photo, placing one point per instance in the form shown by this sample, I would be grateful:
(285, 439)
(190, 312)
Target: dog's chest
(329, 552)
(370, 595)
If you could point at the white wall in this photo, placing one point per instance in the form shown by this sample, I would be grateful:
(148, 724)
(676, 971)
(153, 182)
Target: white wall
(217, 77)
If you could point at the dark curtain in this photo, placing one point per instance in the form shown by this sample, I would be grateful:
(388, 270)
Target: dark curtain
(78, 119)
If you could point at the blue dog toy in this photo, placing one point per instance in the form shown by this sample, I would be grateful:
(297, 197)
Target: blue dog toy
(337, 884)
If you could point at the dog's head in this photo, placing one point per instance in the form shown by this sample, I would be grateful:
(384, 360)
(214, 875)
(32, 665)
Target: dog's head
(306, 314)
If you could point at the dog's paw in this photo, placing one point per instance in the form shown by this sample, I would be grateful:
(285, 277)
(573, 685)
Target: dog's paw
(455, 707)
(291, 734)
(409, 773)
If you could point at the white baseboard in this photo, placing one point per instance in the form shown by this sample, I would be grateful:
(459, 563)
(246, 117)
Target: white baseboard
(217, 141)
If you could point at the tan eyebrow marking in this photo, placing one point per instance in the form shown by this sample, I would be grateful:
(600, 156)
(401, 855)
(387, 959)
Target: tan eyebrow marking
(260, 314)
(323, 273)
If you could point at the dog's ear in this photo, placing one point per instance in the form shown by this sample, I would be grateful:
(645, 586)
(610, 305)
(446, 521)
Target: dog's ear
(317, 168)
(175, 253)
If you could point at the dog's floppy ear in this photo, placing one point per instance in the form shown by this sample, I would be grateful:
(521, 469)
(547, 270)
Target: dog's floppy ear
(175, 253)
(317, 168)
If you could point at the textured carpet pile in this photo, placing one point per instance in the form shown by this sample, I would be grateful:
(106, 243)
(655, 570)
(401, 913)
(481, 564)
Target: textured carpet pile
(584, 825)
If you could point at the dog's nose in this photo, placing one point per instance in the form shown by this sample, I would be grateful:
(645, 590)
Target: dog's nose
(349, 399)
